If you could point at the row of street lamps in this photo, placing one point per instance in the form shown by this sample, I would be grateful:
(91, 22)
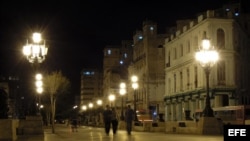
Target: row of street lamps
(35, 53)
(122, 92)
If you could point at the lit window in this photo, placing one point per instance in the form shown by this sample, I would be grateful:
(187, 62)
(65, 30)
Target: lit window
(236, 14)
(125, 55)
(121, 62)
(86, 73)
(109, 52)
(140, 37)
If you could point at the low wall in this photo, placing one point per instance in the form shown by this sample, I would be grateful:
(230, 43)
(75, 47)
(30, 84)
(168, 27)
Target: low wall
(247, 122)
(188, 127)
(8, 129)
(150, 126)
(206, 125)
(32, 125)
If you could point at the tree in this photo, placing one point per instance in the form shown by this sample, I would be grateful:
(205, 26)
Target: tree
(3, 104)
(55, 84)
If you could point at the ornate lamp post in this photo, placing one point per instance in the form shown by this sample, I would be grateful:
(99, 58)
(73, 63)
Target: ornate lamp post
(207, 57)
(35, 51)
(135, 86)
(122, 92)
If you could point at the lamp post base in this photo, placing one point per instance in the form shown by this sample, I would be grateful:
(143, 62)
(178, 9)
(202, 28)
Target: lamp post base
(210, 126)
(208, 112)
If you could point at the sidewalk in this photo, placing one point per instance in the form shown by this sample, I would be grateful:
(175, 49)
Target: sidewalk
(63, 133)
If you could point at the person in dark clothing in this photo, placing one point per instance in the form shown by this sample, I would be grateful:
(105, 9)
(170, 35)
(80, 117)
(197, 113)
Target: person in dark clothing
(129, 117)
(107, 114)
(114, 121)
(74, 124)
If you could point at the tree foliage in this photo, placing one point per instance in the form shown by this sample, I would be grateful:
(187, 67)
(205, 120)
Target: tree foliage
(55, 84)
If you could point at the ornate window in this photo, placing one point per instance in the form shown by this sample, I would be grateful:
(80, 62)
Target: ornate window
(220, 39)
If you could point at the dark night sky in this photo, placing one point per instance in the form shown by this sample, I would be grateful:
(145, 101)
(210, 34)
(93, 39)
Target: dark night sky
(77, 31)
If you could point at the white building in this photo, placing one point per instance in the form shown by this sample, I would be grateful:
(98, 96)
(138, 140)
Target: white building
(185, 83)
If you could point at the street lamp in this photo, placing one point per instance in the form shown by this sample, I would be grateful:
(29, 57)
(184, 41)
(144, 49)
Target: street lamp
(99, 102)
(84, 107)
(35, 52)
(135, 86)
(122, 92)
(111, 99)
(207, 57)
(39, 89)
(99, 110)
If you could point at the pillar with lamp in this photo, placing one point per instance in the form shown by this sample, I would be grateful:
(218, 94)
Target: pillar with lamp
(135, 86)
(90, 121)
(207, 56)
(99, 112)
(122, 92)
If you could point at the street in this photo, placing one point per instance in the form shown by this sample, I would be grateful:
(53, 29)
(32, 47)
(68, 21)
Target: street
(63, 133)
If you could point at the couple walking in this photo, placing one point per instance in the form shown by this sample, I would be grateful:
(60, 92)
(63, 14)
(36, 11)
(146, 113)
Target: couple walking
(110, 118)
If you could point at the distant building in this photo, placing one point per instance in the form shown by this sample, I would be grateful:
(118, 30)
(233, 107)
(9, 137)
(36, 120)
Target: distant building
(115, 63)
(148, 65)
(91, 86)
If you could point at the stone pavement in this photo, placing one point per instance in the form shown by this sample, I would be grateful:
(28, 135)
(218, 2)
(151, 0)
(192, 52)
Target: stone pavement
(63, 133)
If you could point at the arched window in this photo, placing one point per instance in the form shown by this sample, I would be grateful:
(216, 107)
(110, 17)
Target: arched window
(220, 39)
(221, 74)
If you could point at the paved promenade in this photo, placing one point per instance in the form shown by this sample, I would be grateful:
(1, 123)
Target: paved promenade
(63, 133)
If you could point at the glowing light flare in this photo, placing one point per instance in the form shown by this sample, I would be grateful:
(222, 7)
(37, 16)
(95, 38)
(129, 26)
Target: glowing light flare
(39, 76)
(99, 102)
(39, 83)
(37, 37)
(122, 85)
(111, 97)
(134, 78)
(206, 44)
(36, 51)
(135, 85)
(91, 105)
(122, 91)
(39, 90)
(84, 107)
(207, 57)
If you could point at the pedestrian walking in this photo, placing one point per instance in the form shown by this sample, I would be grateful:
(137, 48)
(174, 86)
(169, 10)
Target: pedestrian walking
(107, 114)
(74, 124)
(129, 117)
(114, 120)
